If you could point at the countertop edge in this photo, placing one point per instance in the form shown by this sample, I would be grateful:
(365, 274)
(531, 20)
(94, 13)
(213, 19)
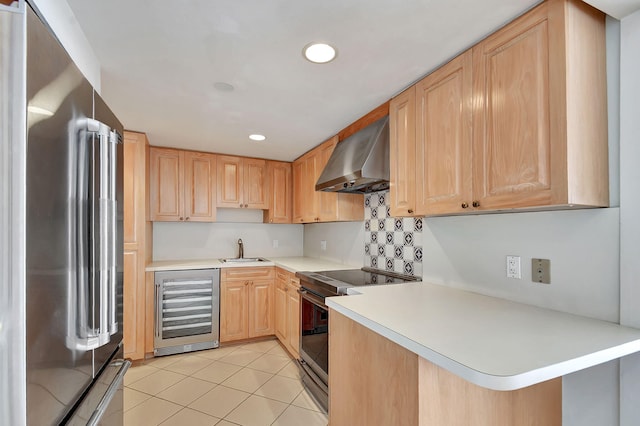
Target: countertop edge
(495, 382)
(284, 263)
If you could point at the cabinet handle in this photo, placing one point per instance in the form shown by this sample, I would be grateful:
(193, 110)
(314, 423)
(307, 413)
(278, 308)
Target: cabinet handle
(476, 204)
(465, 205)
(246, 205)
(240, 205)
(410, 211)
(181, 218)
(187, 219)
(270, 220)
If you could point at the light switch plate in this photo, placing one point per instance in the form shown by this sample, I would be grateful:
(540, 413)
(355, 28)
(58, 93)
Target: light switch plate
(323, 245)
(541, 271)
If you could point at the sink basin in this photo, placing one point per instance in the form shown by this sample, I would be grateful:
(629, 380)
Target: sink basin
(243, 259)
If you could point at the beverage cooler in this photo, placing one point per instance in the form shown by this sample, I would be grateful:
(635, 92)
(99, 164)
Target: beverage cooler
(187, 314)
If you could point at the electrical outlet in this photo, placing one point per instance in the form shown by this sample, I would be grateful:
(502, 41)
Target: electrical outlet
(513, 267)
(323, 245)
(275, 243)
(541, 271)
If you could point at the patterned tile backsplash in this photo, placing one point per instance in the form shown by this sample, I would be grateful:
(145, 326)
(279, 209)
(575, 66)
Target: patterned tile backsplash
(394, 244)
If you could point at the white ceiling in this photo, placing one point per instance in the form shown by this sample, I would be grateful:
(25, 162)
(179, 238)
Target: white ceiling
(160, 59)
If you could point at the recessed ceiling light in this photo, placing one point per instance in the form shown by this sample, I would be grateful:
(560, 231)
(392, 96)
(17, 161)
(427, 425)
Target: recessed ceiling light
(223, 87)
(319, 53)
(257, 137)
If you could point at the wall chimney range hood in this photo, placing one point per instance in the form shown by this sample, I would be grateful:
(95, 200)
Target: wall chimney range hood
(360, 163)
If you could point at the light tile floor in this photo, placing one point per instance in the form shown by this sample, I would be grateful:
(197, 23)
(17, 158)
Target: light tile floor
(251, 385)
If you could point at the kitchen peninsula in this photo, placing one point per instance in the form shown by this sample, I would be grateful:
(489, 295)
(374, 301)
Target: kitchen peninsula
(439, 355)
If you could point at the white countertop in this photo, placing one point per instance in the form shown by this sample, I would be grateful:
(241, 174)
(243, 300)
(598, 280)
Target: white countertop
(491, 342)
(292, 264)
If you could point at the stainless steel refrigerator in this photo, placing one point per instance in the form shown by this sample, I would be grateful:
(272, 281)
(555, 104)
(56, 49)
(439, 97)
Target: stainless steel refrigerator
(61, 326)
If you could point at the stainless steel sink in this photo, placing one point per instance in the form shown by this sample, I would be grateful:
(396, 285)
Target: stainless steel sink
(243, 259)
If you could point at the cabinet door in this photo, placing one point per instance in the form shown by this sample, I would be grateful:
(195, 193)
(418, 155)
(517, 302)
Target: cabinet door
(166, 184)
(280, 192)
(293, 317)
(402, 153)
(134, 187)
(281, 306)
(309, 179)
(444, 139)
(200, 188)
(229, 182)
(254, 184)
(297, 171)
(233, 310)
(327, 201)
(261, 308)
(512, 144)
(133, 305)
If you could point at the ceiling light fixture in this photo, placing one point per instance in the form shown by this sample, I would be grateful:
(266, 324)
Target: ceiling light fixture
(223, 87)
(257, 137)
(319, 53)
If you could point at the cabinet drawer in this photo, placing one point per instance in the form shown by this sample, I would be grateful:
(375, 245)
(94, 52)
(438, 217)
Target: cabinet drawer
(241, 274)
(294, 282)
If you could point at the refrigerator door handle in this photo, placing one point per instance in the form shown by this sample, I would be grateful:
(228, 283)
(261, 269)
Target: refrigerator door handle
(114, 139)
(158, 310)
(93, 318)
(108, 396)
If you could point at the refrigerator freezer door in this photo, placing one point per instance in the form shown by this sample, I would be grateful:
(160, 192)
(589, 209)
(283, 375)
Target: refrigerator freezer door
(74, 233)
(103, 404)
(58, 99)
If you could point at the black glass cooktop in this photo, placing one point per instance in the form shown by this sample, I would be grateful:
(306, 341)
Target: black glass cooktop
(327, 283)
(358, 277)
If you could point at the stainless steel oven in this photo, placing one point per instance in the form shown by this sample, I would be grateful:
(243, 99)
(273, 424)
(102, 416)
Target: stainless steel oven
(314, 344)
(314, 319)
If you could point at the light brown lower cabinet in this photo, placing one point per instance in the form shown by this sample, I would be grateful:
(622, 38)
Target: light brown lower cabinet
(247, 306)
(374, 381)
(287, 302)
(133, 305)
(137, 243)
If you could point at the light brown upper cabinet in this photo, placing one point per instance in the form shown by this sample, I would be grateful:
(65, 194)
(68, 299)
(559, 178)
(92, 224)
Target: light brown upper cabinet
(540, 121)
(310, 205)
(280, 192)
(182, 185)
(242, 183)
(443, 138)
(517, 122)
(306, 200)
(402, 153)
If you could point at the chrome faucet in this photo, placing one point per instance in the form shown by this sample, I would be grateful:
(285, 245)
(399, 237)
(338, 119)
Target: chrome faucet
(240, 248)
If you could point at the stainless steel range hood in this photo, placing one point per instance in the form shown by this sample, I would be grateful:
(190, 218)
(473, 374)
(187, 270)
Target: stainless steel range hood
(360, 163)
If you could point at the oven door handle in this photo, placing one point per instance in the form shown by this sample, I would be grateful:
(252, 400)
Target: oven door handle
(313, 298)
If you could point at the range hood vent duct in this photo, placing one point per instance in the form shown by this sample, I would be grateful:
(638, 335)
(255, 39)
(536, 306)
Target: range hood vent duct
(360, 163)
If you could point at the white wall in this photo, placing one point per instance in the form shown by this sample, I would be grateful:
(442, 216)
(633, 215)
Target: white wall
(175, 241)
(469, 252)
(345, 242)
(630, 206)
(63, 22)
